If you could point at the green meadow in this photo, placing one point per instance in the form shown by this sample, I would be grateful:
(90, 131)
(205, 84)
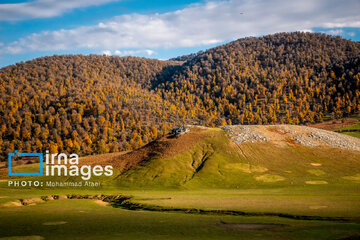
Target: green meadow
(86, 219)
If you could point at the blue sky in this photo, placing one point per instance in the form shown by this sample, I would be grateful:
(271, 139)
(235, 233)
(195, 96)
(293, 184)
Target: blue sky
(158, 29)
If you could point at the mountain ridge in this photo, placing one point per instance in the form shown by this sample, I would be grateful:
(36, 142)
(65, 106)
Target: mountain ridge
(99, 104)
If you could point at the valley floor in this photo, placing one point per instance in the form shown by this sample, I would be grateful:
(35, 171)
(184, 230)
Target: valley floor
(87, 219)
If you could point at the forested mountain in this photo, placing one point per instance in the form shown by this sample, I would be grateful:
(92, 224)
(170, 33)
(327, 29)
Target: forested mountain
(82, 104)
(282, 78)
(96, 104)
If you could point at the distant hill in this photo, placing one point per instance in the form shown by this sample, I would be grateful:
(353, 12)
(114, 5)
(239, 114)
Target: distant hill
(100, 104)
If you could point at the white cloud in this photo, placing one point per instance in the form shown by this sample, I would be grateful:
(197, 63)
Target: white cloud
(335, 32)
(147, 52)
(339, 32)
(107, 52)
(196, 25)
(306, 30)
(43, 8)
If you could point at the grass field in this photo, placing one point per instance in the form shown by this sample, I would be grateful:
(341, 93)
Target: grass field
(84, 219)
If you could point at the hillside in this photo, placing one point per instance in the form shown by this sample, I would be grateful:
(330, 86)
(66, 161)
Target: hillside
(234, 157)
(242, 156)
(281, 78)
(84, 104)
(100, 104)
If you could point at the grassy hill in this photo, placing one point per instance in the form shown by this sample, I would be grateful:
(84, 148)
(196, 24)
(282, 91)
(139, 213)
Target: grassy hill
(275, 157)
(235, 157)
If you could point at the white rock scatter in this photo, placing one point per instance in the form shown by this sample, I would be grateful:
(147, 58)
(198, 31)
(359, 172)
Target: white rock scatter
(304, 140)
(305, 136)
(336, 139)
(243, 134)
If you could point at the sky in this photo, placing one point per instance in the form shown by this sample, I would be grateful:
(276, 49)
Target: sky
(159, 29)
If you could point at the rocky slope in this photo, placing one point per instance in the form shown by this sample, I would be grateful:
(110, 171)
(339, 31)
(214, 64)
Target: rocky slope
(291, 134)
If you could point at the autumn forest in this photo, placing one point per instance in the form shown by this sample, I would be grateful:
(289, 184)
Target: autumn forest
(100, 104)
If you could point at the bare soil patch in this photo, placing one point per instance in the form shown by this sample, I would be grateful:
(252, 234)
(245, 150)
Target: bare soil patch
(12, 204)
(317, 207)
(100, 159)
(316, 182)
(164, 147)
(316, 164)
(269, 178)
(32, 201)
(101, 202)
